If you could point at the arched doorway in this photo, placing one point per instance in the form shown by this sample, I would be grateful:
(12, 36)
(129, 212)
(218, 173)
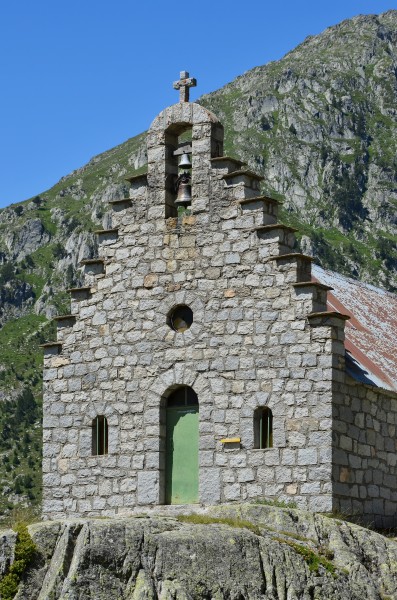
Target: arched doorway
(182, 436)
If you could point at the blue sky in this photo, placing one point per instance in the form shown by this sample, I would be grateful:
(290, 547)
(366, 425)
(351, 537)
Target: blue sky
(82, 76)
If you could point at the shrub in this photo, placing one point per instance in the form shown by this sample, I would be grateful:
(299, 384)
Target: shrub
(24, 553)
(6, 273)
(18, 210)
(37, 201)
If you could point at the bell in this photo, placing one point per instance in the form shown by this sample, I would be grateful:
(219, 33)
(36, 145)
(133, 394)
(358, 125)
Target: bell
(184, 197)
(185, 162)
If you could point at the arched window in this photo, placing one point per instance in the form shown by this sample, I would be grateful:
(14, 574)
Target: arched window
(182, 396)
(99, 435)
(263, 428)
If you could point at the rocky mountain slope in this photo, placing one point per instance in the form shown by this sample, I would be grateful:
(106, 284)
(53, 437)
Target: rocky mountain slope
(320, 125)
(247, 552)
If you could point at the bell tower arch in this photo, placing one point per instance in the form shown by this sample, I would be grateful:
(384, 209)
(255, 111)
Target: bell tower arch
(165, 145)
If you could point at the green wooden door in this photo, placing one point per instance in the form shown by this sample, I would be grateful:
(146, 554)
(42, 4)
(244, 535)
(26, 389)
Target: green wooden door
(182, 455)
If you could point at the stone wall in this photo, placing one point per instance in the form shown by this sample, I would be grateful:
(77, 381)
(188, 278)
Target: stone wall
(261, 336)
(365, 452)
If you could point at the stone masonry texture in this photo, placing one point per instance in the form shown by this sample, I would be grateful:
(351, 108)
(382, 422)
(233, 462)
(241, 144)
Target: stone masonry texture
(261, 337)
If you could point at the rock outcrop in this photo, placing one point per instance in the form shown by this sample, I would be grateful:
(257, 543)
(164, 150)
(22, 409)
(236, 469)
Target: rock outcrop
(241, 552)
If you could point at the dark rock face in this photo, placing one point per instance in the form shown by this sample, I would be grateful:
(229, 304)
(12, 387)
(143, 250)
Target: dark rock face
(158, 557)
(29, 238)
(16, 297)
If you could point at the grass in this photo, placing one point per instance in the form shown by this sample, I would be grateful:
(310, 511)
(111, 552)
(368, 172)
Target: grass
(19, 352)
(196, 519)
(277, 503)
(313, 559)
(21, 514)
(357, 519)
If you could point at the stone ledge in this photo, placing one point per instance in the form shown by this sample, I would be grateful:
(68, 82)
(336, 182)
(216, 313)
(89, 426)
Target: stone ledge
(79, 289)
(242, 172)
(317, 284)
(92, 261)
(272, 227)
(328, 314)
(64, 318)
(52, 348)
(259, 199)
(120, 202)
(106, 231)
(235, 161)
(134, 178)
(291, 255)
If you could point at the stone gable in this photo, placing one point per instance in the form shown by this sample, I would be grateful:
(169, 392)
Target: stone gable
(261, 337)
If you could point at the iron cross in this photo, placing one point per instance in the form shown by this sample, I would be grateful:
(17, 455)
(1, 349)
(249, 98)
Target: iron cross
(185, 82)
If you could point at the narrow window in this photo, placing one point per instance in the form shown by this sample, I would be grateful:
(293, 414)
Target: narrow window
(99, 435)
(263, 428)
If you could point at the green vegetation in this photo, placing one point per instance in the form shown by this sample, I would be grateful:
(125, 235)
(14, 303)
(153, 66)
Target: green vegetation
(277, 503)
(313, 560)
(24, 554)
(20, 356)
(20, 451)
(20, 412)
(208, 520)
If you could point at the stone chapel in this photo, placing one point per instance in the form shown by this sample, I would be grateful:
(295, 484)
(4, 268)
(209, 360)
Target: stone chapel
(200, 363)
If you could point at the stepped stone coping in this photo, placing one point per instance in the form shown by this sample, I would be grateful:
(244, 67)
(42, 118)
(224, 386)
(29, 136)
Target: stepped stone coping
(92, 261)
(316, 284)
(273, 226)
(258, 199)
(51, 345)
(246, 172)
(136, 177)
(236, 161)
(121, 201)
(104, 231)
(326, 314)
(292, 255)
(61, 318)
(79, 289)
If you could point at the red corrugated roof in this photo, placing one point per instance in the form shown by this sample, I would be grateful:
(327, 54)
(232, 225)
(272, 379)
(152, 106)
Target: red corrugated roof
(371, 332)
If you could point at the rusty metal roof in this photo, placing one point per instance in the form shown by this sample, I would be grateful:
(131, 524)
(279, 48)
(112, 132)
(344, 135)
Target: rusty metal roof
(371, 332)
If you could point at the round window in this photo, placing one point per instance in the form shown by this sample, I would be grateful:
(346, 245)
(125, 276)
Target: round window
(180, 318)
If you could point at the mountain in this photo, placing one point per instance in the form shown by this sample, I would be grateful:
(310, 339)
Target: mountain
(320, 125)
